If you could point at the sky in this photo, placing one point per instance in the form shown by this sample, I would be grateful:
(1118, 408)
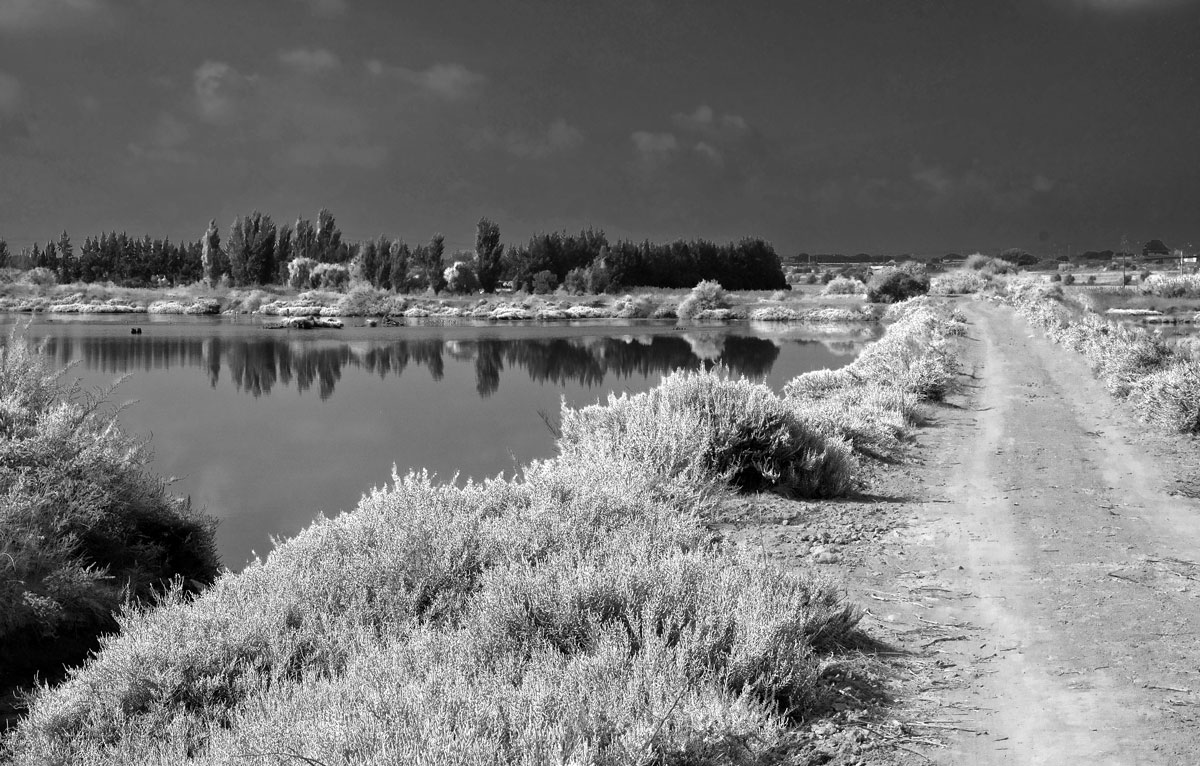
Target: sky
(926, 126)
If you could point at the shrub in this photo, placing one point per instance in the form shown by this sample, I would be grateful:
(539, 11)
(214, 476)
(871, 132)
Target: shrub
(958, 283)
(544, 282)
(1056, 277)
(709, 427)
(706, 296)
(300, 273)
(40, 277)
(576, 282)
(1068, 279)
(844, 286)
(330, 276)
(1170, 396)
(82, 522)
(460, 278)
(895, 285)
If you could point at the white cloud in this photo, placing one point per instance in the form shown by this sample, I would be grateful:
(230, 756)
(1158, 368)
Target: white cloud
(10, 94)
(710, 153)
(327, 9)
(452, 82)
(309, 60)
(24, 15)
(707, 122)
(654, 144)
(219, 89)
(558, 138)
(165, 141)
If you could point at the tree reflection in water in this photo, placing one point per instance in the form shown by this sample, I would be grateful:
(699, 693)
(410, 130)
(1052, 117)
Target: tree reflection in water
(257, 364)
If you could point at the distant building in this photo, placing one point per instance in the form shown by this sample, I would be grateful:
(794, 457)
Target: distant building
(1155, 247)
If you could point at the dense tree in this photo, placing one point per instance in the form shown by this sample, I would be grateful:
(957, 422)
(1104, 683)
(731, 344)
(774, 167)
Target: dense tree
(398, 268)
(426, 271)
(328, 239)
(67, 270)
(251, 250)
(489, 254)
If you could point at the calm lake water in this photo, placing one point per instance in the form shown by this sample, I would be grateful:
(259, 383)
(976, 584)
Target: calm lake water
(264, 428)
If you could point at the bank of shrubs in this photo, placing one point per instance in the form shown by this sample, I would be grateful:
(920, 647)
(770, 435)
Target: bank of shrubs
(1161, 381)
(576, 613)
(83, 524)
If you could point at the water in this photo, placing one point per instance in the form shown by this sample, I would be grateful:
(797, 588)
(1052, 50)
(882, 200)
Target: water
(265, 428)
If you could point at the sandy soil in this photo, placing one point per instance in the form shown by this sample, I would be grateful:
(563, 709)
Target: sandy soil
(1033, 568)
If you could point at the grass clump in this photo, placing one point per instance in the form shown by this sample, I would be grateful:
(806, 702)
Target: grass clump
(83, 524)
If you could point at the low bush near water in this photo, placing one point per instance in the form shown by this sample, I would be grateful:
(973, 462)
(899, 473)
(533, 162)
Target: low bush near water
(874, 401)
(708, 426)
(706, 296)
(83, 525)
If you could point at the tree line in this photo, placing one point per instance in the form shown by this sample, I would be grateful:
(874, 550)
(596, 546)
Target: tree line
(313, 255)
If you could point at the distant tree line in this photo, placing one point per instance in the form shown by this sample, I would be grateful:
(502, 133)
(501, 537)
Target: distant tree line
(306, 255)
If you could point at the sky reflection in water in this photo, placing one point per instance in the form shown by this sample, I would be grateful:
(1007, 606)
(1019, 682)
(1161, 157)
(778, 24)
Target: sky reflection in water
(265, 428)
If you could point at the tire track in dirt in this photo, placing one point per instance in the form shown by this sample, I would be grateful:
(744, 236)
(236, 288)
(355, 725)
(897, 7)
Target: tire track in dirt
(1046, 580)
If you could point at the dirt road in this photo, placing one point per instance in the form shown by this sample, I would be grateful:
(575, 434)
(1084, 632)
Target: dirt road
(1051, 574)
(1034, 567)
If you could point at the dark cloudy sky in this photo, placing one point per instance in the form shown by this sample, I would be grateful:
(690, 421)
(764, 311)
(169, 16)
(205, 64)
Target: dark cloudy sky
(822, 125)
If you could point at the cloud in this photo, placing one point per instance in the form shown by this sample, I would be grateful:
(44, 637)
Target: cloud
(706, 122)
(10, 95)
(654, 145)
(165, 142)
(220, 91)
(558, 138)
(709, 152)
(452, 82)
(309, 60)
(25, 15)
(327, 9)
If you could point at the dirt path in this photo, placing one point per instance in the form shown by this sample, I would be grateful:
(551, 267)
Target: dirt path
(1034, 566)
(1060, 573)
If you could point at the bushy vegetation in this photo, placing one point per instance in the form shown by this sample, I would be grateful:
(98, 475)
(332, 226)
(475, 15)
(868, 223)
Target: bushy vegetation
(893, 285)
(706, 425)
(959, 282)
(706, 296)
(874, 401)
(1161, 381)
(576, 613)
(83, 524)
(844, 286)
(990, 266)
(1171, 286)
